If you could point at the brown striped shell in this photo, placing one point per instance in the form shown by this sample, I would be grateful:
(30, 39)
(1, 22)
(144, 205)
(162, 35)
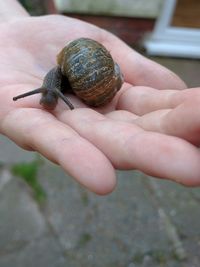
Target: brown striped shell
(92, 74)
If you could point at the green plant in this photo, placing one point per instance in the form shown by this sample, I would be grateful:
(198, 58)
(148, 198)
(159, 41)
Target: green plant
(28, 172)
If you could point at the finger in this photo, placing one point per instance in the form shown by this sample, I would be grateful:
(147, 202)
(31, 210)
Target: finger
(129, 147)
(183, 121)
(139, 70)
(36, 129)
(141, 100)
(122, 115)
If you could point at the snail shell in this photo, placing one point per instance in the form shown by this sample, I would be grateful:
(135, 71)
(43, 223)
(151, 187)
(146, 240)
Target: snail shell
(92, 74)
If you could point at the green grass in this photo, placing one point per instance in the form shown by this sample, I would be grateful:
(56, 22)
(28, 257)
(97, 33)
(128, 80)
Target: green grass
(84, 239)
(158, 256)
(28, 172)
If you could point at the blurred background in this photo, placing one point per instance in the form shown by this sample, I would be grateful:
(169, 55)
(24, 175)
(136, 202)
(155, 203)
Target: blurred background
(47, 219)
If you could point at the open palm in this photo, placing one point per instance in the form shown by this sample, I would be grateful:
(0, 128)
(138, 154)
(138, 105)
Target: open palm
(145, 128)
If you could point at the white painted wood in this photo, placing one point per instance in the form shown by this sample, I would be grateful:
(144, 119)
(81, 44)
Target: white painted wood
(136, 8)
(167, 40)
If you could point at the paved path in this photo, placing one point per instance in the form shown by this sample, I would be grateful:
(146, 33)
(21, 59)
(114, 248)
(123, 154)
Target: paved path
(144, 222)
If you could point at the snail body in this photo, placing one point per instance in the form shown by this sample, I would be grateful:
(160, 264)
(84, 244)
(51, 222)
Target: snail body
(84, 68)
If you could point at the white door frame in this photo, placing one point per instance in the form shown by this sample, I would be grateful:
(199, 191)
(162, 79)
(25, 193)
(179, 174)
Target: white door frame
(167, 40)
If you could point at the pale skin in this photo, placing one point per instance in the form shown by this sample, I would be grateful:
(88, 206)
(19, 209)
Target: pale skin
(152, 125)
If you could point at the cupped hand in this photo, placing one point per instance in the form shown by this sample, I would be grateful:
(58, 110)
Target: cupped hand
(155, 131)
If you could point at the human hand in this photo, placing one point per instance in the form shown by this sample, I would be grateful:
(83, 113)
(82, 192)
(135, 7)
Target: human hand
(90, 144)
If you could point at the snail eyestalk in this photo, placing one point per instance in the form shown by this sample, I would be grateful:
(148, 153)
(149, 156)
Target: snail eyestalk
(33, 92)
(45, 100)
(60, 94)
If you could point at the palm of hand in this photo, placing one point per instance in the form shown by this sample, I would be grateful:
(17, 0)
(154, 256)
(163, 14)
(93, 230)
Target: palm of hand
(86, 143)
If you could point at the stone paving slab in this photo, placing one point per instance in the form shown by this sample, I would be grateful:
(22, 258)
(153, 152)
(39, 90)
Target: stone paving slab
(40, 252)
(188, 70)
(11, 153)
(182, 206)
(25, 236)
(21, 220)
(74, 227)
(122, 229)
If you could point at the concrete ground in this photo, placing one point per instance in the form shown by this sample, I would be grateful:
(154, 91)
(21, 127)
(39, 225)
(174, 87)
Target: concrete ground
(144, 222)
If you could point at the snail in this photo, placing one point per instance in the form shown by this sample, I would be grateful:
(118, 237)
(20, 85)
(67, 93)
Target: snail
(84, 68)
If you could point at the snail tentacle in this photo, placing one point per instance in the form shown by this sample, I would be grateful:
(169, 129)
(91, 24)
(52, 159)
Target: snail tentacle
(64, 98)
(33, 92)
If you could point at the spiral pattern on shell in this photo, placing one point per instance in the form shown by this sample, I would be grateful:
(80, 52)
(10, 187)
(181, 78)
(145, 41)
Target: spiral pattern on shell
(92, 74)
